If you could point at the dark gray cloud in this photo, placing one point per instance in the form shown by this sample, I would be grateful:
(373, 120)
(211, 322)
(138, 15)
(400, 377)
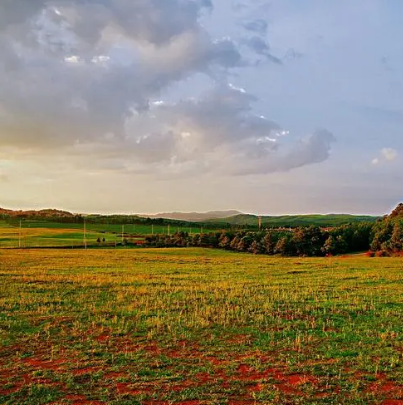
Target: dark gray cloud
(259, 26)
(312, 149)
(261, 47)
(78, 78)
(79, 92)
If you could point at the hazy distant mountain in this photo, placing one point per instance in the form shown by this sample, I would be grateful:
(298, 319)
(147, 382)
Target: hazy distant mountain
(196, 216)
(40, 213)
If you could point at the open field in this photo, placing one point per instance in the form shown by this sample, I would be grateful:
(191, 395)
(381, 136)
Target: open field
(55, 234)
(197, 327)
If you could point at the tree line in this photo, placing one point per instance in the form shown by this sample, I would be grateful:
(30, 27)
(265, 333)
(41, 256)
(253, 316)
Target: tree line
(304, 241)
(388, 233)
(382, 238)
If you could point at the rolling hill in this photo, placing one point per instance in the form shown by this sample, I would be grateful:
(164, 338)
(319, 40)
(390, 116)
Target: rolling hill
(296, 220)
(216, 219)
(197, 216)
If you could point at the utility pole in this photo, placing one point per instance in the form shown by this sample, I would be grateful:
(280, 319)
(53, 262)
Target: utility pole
(123, 235)
(85, 234)
(19, 236)
(260, 223)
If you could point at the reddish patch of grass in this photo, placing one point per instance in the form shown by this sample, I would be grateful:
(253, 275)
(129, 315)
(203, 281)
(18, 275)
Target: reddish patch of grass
(322, 395)
(153, 349)
(10, 390)
(244, 369)
(255, 388)
(299, 379)
(124, 389)
(203, 378)
(287, 389)
(75, 397)
(53, 365)
(86, 370)
(102, 338)
(382, 385)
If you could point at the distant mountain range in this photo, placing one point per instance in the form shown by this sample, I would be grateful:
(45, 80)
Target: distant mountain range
(235, 218)
(196, 216)
(216, 218)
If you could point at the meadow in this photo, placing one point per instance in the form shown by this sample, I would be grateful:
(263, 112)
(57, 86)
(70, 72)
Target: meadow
(194, 327)
(41, 234)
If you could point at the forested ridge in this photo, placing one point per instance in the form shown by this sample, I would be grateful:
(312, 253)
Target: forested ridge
(303, 241)
(383, 238)
(235, 222)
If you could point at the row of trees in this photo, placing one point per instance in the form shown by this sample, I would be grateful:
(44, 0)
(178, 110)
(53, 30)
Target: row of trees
(388, 233)
(306, 241)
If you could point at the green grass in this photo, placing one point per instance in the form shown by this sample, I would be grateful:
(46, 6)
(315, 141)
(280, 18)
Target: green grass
(41, 233)
(330, 220)
(198, 326)
(55, 234)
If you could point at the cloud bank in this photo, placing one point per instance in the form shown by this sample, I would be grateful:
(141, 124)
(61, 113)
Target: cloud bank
(88, 78)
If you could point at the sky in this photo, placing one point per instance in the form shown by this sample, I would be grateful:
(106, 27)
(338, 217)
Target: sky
(145, 106)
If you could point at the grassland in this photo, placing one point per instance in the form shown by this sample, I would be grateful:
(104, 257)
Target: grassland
(330, 220)
(197, 327)
(57, 234)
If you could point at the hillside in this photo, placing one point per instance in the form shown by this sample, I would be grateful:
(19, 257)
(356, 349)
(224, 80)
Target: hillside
(197, 216)
(46, 213)
(215, 219)
(297, 220)
(388, 233)
(397, 213)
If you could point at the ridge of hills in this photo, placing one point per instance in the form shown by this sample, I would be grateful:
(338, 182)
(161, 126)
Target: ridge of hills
(37, 213)
(216, 218)
(197, 216)
(299, 220)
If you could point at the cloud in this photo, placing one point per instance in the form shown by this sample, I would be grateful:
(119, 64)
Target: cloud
(261, 47)
(80, 80)
(386, 155)
(59, 95)
(258, 26)
(312, 149)
(219, 133)
(389, 154)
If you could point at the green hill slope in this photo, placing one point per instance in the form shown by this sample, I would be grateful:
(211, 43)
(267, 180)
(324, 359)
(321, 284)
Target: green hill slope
(296, 220)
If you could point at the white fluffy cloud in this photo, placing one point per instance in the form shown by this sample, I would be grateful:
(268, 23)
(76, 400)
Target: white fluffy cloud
(389, 154)
(78, 78)
(385, 155)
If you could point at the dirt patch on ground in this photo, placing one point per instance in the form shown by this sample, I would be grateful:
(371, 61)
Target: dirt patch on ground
(37, 363)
